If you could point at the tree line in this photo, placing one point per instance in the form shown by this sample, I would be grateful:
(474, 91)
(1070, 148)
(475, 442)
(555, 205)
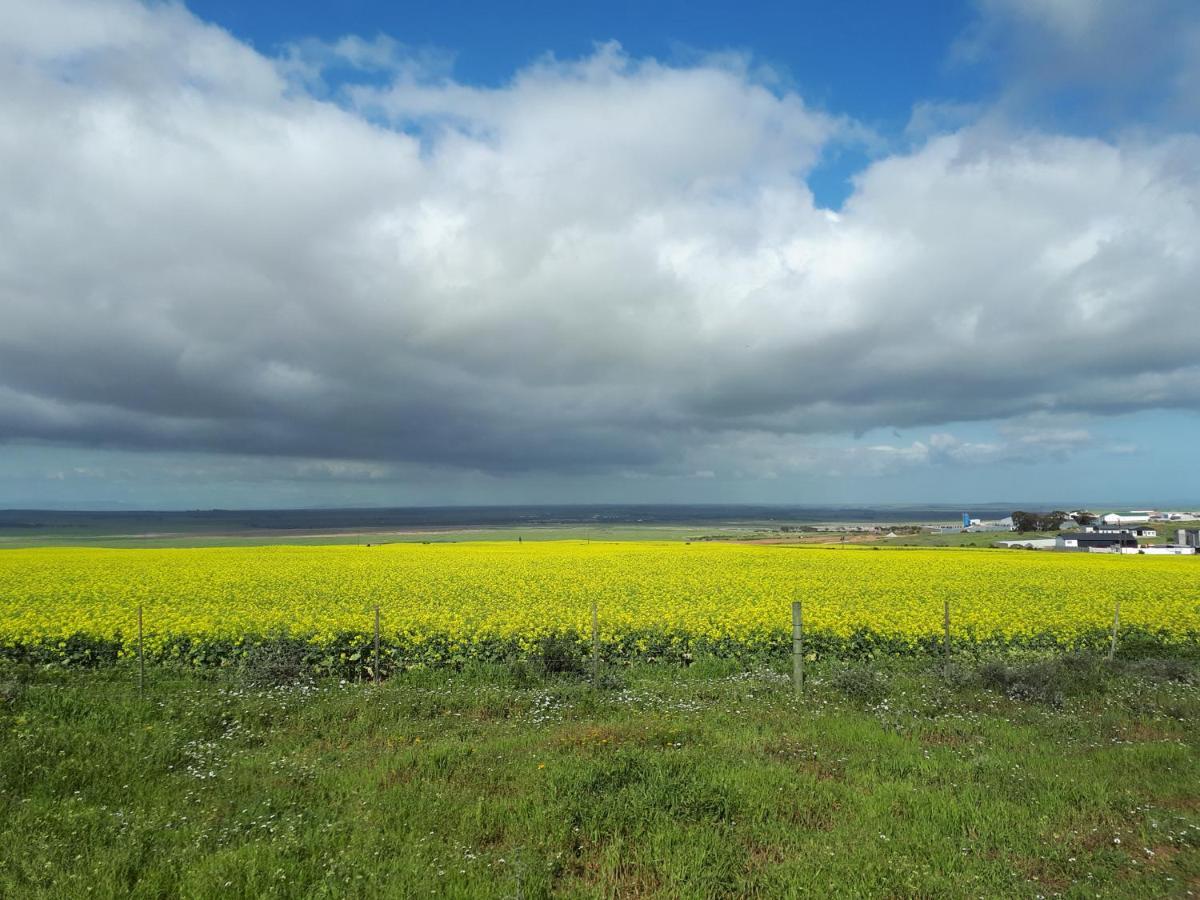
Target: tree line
(1048, 521)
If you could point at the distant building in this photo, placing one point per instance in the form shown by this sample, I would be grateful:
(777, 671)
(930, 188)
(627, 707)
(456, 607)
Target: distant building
(1125, 519)
(1187, 537)
(1160, 550)
(1095, 541)
(1142, 531)
(1005, 524)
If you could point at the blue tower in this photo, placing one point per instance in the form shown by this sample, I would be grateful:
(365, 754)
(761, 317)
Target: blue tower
(966, 520)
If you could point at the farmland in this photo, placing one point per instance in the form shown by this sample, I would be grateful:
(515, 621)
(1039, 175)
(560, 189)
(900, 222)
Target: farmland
(251, 760)
(453, 602)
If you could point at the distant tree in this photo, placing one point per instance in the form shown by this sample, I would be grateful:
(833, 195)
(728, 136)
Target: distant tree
(1038, 521)
(1024, 521)
(1085, 518)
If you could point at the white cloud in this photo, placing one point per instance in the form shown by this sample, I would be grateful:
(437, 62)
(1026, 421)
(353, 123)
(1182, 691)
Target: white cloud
(608, 264)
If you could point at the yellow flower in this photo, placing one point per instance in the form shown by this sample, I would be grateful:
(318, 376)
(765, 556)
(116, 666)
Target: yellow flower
(441, 600)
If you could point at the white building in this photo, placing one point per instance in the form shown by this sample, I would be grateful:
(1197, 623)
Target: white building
(1127, 519)
(1160, 551)
(1005, 524)
(1143, 531)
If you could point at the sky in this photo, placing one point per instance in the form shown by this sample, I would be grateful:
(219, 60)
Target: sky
(366, 253)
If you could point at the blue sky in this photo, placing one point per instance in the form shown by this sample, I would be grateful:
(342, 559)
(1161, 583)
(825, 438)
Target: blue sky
(872, 59)
(365, 253)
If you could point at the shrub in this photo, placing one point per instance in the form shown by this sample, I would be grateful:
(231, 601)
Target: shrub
(522, 673)
(278, 662)
(14, 677)
(610, 679)
(11, 692)
(958, 674)
(861, 682)
(559, 653)
(1048, 680)
(1164, 669)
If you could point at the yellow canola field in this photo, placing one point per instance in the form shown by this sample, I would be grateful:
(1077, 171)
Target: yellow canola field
(465, 593)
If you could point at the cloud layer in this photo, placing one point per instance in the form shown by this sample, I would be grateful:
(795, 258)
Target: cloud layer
(607, 264)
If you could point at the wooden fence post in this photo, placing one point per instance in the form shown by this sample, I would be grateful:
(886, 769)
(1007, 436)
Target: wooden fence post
(797, 646)
(1112, 648)
(946, 643)
(141, 659)
(376, 667)
(595, 644)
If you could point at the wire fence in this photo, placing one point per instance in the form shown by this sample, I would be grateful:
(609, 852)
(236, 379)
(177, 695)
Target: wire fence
(367, 656)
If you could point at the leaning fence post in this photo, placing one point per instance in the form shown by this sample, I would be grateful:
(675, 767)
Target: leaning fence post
(595, 644)
(375, 670)
(946, 641)
(797, 646)
(1112, 648)
(141, 659)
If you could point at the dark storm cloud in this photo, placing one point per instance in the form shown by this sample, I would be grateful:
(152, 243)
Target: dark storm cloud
(604, 265)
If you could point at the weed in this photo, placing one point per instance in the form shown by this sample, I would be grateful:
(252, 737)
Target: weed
(522, 673)
(11, 692)
(277, 663)
(860, 681)
(1047, 680)
(559, 653)
(1164, 669)
(611, 679)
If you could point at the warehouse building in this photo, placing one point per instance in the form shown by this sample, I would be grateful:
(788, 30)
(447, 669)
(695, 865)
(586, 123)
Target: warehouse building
(1187, 537)
(1135, 518)
(1095, 541)
(1161, 550)
(1142, 531)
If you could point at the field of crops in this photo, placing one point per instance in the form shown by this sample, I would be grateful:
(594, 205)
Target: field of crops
(448, 602)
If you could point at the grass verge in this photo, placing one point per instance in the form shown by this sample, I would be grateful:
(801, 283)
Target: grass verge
(1034, 776)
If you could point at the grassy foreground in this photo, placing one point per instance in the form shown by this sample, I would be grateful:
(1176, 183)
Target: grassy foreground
(1024, 780)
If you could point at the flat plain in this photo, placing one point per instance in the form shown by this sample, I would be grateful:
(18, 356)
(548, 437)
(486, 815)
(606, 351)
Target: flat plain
(254, 757)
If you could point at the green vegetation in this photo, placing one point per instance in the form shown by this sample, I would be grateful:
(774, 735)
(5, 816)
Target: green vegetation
(1025, 776)
(1040, 521)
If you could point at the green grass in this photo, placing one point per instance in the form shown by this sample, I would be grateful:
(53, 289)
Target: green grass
(706, 782)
